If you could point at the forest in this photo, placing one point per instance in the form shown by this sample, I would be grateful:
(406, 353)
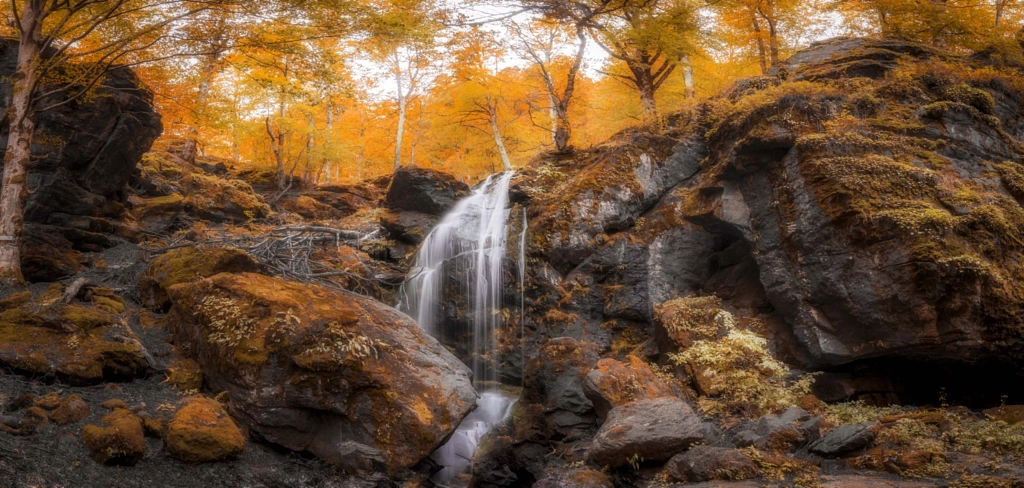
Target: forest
(512, 243)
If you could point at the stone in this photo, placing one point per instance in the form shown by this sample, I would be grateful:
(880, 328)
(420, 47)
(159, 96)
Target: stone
(120, 441)
(845, 439)
(186, 265)
(648, 430)
(424, 190)
(308, 207)
(1011, 414)
(201, 431)
(153, 427)
(114, 404)
(185, 375)
(576, 478)
(49, 401)
(407, 226)
(785, 432)
(71, 410)
(309, 368)
(705, 463)
(554, 388)
(611, 384)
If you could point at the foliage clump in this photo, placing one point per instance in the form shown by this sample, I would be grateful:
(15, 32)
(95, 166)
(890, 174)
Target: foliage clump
(733, 368)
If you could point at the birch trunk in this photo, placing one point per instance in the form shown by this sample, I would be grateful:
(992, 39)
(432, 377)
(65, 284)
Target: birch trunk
(497, 140)
(14, 190)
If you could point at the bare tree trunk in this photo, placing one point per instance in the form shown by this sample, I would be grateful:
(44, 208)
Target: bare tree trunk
(402, 106)
(492, 114)
(277, 146)
(553, 113)
(688, 76)
(14, 191)
(644, 81)
(762, 54)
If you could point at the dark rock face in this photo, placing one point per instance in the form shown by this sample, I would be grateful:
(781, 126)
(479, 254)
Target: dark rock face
(424, 190)
(84, 155)
(705, 463)
(864, 242)
(650, 430)
(408, 227)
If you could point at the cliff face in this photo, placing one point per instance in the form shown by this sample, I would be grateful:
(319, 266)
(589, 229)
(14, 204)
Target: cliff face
(85, 154)
(864, 205)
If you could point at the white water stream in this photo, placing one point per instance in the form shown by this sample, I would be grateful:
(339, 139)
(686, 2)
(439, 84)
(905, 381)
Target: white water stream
(469, 245)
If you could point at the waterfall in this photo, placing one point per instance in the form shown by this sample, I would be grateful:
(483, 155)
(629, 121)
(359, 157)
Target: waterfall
(466, 247)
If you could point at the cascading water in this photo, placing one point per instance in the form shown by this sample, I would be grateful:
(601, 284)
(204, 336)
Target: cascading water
(468, 246)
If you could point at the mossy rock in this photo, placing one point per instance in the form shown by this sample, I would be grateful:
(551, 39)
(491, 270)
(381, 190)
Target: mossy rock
(71, 410)
(202, 431)
(187, 265)
(120, 442)
(185, 375)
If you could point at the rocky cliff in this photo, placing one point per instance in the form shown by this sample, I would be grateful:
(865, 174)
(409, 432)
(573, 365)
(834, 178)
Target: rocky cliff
(84, 154)
(864, 204)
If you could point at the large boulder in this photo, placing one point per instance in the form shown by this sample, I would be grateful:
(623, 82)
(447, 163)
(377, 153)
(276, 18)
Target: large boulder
(646, 430)
(186, 265)
(341, 376)
(83, 155)
(424, 190)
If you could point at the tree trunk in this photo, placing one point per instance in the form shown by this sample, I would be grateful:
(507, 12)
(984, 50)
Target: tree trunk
(644, 81)
(277, 147)
(14, 191)
(553, 113)
(688, 76)
(762, 53)
(493, 115)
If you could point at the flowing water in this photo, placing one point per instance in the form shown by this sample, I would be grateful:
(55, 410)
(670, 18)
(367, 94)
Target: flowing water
(468, 246)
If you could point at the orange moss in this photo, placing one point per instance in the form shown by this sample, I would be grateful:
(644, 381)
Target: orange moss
(122, 441)
(202, 431)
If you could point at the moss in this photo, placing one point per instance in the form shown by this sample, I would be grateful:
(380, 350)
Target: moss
(110, 305)
(84, 319)
(71, 410)
(201, 431)
(14, 301)
(185, 375)
(121, 441)
(969, 95)
(187, 265)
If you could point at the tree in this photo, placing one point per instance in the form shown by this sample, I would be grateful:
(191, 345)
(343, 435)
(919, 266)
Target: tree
(541, 43)
(953, 24)
(65, 49)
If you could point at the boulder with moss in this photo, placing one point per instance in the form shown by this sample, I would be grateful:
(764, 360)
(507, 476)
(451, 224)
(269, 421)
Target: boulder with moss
(186, 265)
(78, 342)
(612, 383)
(311, 369)
(201, 431)
(120, 440)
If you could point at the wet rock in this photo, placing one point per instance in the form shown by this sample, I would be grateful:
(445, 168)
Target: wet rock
(424, 190)
(554, 388)
(201, 431)
(310, 368)
(845, 439)
(611, 384)
(409, 227)
(647, 430)
(71, 410)
(705, 463)
(186, 265)
(120, 440)
(576, 478)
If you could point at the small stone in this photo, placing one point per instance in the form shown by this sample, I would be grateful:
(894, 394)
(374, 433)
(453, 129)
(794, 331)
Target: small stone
(845, 439)
(114, 404)
(48, 402)
(202, 431)
(121, 441)
(705, 463)
(71, 410)
(153, 427)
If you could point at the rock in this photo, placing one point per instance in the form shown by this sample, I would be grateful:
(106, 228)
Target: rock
(186, 265)
(348, 199)
(310, 368)
(77, 343)
(649, 430)
(185, 375)
(114, 404)
(153, 427)
(553, 389)
(1011, 414)
(309, 208)
(705, 463)
(71, 410)
(845, 439)
(611, 384)
(83, 155)
(407, 226)
(576, 478)
(201, 432)
(786, 431)
(49, 402)
(424, 190)
(121, 441)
